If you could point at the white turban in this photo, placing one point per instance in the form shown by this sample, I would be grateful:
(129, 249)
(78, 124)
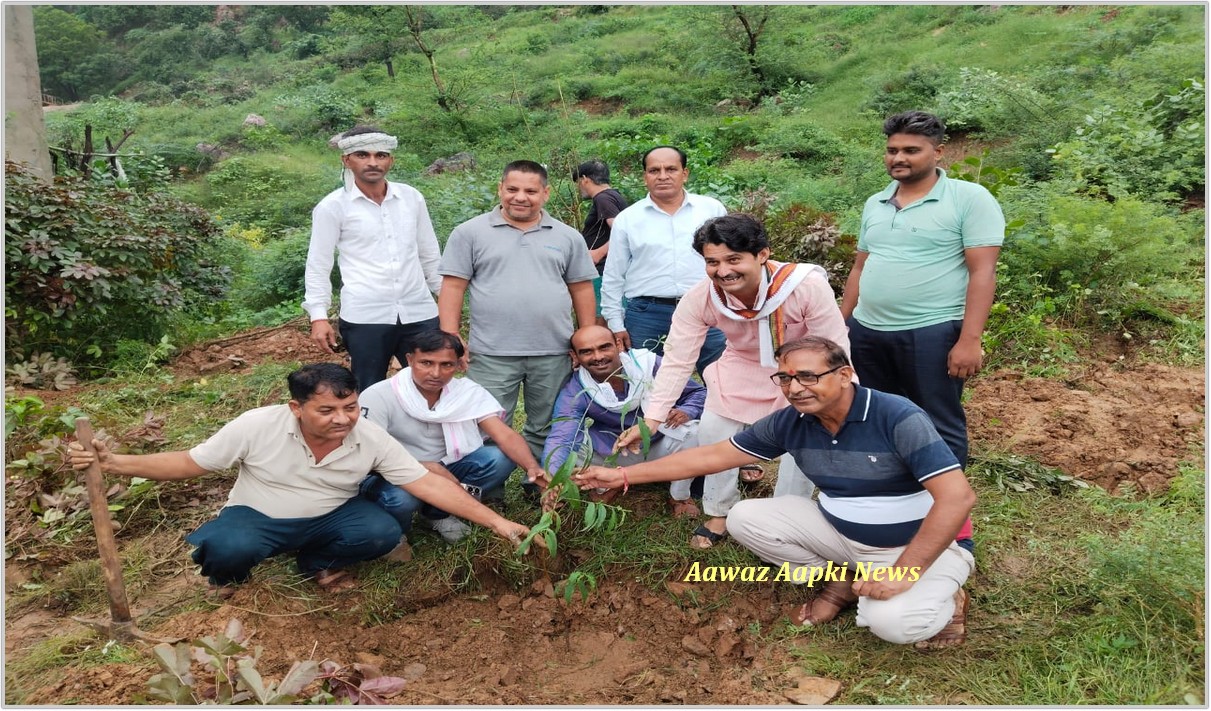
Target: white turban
(369, 142)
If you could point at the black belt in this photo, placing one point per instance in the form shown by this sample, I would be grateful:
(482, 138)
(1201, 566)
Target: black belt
(666, 300)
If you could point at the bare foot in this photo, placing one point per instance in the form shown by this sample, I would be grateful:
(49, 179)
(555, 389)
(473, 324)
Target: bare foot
(334, 581)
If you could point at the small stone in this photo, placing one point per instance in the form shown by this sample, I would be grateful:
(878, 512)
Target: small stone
(813, 691)
(414, 671)
(678, 589)
(508, 602)
(693, 645)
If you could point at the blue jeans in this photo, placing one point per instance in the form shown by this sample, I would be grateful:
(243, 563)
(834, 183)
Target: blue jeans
(371, 346)
(229, 545)
(912, 363)
(486, 467)
(648, 324)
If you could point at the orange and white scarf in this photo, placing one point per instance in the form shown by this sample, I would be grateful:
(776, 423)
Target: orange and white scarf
(778, 283)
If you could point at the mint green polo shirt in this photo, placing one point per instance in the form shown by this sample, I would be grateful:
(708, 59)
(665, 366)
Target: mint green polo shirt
(915, 274)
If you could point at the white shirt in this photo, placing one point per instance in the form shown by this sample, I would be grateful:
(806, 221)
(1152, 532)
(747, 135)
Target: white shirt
(388, 255)
(652, 253)
(278, 474)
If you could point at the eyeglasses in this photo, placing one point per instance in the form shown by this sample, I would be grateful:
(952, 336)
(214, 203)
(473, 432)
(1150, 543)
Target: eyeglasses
(782, 380)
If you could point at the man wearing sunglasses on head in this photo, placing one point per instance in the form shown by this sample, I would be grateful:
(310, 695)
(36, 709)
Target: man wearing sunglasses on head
(892, 500)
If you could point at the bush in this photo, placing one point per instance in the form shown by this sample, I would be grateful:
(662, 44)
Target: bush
(1154, 149)
(89, 265)
(1111, 254)
(273, 273)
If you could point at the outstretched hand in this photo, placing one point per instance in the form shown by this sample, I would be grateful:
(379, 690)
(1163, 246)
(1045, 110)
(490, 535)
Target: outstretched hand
(599, 478)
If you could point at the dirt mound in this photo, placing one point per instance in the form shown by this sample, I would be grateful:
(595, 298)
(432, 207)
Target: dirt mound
(1117, 425)
(290, 341)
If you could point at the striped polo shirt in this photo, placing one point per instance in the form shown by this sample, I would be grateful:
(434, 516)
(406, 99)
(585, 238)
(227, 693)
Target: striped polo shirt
(869, 474)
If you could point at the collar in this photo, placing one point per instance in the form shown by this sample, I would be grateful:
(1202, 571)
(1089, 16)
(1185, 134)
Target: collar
(689, 199)
(496, 218)
(934, 194)
(356, 193)
(859, 409)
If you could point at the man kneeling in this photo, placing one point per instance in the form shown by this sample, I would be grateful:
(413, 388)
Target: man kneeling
(892, 495)
(300, 467)
(442, 421)
(608, 391)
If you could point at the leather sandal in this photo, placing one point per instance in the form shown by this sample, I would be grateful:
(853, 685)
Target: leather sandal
(709, 537)
(833, 595)
(955, 631)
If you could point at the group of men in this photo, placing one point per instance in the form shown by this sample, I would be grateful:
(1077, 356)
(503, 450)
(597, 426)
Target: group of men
(872, 444)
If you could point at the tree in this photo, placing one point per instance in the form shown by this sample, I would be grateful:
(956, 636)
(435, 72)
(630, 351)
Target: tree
(24, 127)
(75, 58)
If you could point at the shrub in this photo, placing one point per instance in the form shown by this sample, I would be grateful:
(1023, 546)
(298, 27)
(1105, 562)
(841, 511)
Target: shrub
(1109, 253)
(1154, 148)
(273, 273)
(89, 264)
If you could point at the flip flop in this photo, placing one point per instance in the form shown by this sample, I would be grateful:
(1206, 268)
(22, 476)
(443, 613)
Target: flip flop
(751, 473)
(683, 508)
(831, 595)
(709, 536)
(335, 581)
(955, 631)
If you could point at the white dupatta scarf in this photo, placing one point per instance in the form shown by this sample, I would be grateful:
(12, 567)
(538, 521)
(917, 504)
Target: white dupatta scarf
(461, 406)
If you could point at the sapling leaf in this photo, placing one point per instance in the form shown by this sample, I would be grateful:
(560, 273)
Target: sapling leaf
(591, 511)
(551, 540)
(245, 671)
(646, 433)
(300, 675)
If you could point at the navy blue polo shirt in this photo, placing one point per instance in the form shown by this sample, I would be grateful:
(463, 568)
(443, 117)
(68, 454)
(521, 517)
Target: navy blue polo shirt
(869, 474)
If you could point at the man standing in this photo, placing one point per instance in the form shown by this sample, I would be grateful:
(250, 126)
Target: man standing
(300, 466)
(592, 180)
(526, 272)
(918, 297)
(652, 259)
(759, 304)
(388, 259)
(605, 395)
(442, 421)
(892, 499)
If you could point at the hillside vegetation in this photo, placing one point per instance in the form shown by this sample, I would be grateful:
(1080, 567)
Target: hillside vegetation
(1087, 122)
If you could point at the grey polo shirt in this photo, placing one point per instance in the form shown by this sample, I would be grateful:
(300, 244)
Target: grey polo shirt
(518, 282)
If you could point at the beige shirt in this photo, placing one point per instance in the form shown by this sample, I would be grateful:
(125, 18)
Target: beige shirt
(278, 474)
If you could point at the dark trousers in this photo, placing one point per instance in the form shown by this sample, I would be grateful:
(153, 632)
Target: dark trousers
(648, 322)
(912, 363)
(230, 545)
(371, 346)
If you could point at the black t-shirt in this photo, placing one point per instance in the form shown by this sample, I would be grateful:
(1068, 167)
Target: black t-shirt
(606, 205)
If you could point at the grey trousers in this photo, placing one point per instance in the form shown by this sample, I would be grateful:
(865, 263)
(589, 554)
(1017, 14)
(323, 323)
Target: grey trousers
(791, 529)
(542, 376)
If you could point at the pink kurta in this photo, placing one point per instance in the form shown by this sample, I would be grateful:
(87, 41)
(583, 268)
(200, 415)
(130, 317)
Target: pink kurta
(737, 385)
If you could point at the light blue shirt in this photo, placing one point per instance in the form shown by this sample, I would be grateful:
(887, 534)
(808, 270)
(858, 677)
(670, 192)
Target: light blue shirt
(652, 253)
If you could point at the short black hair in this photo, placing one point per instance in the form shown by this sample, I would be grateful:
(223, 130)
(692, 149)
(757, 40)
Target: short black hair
(918, 123)
(643, 162)
(834, 353)
(436, 340)
(595, 170)
(307, 381)
(361, 129)
(739, 233)
(525, 166)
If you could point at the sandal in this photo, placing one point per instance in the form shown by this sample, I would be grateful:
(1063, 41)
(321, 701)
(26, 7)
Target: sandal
(683, 508)
(334, 581)
(955, 631)
(831, 595)
(709, 537)
(751, 473)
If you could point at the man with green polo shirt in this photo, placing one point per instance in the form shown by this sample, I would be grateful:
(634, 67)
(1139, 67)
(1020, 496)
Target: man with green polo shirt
(923, 279)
